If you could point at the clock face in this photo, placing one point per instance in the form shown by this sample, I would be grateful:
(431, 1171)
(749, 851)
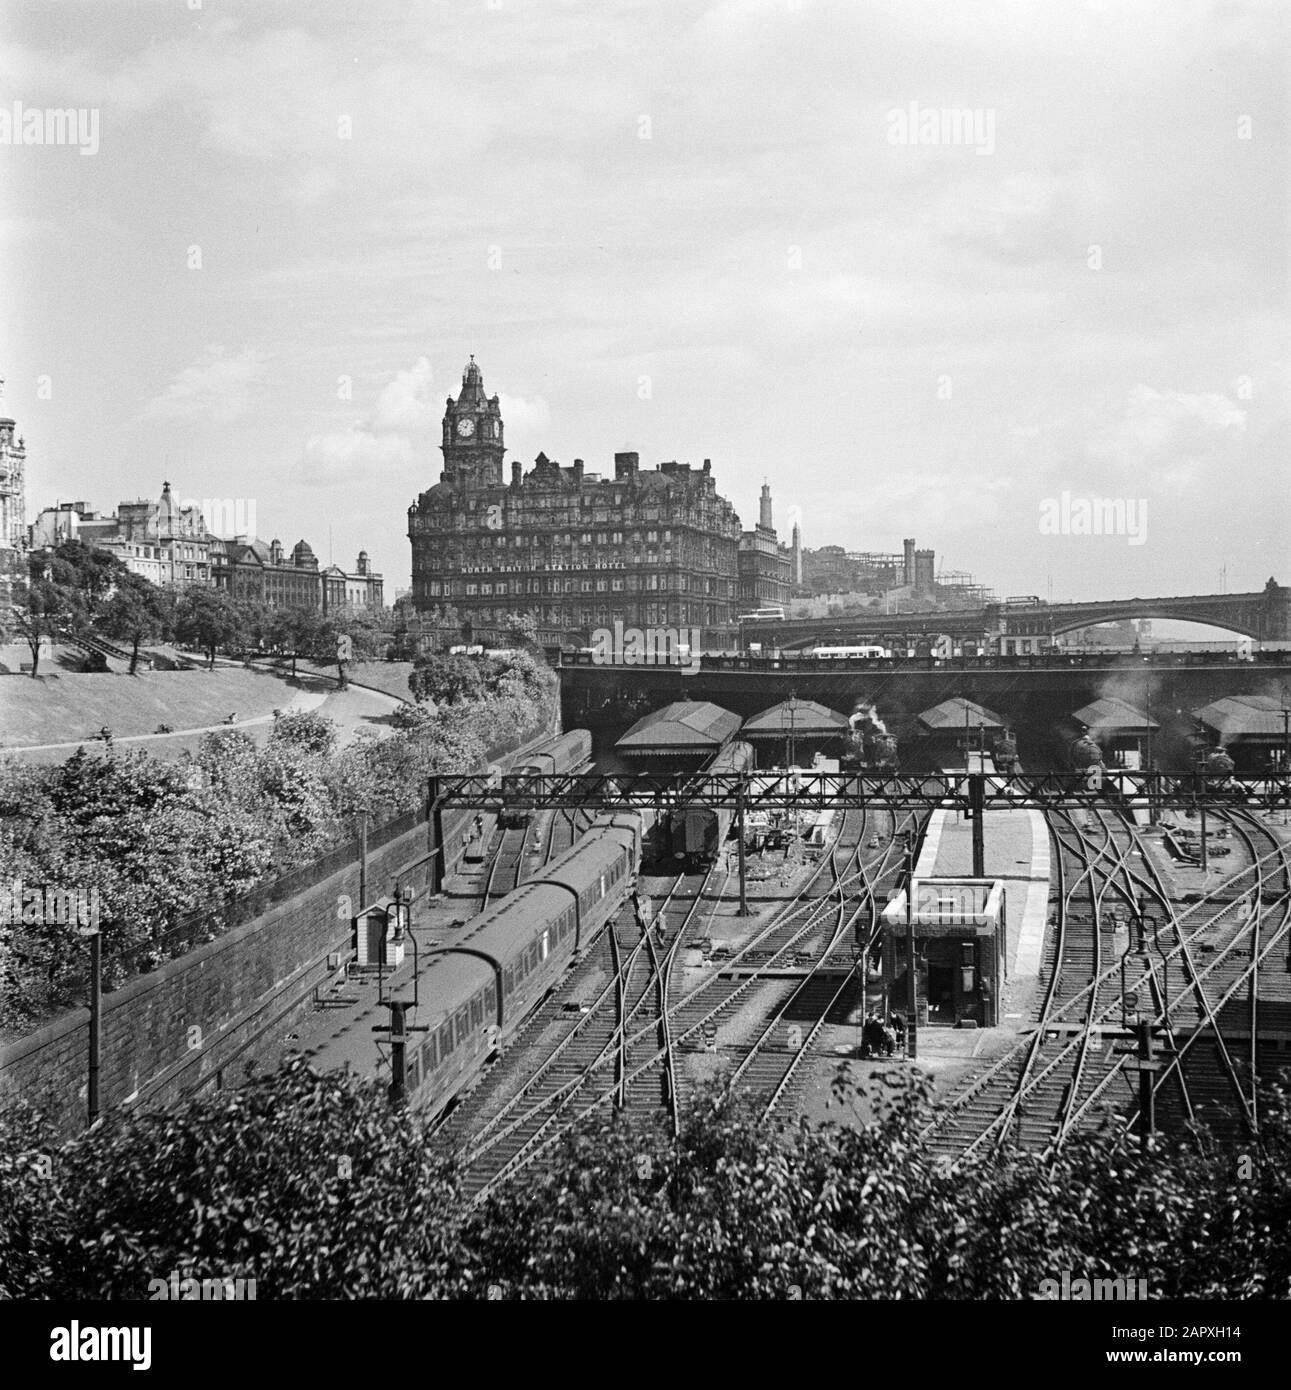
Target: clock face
(466, 428)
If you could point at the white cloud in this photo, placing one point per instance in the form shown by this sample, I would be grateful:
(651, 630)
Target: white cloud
(407, 402)
(386, 439)
(1167, 431)
(218, 388)
(351, 456)
(522, 417)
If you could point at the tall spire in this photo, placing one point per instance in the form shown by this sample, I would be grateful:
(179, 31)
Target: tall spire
(764, 509)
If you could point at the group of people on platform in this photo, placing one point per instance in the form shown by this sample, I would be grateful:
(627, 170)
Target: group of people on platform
(879, 1039)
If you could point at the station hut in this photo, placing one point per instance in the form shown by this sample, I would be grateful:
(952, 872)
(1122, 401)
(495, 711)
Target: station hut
(1120, 729)
(960, 935)
(956, 728)
(680, 737)
(792, 732)
(1254, 730)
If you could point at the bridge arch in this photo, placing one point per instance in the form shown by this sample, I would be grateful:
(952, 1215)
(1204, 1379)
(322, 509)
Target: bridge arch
(1226, 622)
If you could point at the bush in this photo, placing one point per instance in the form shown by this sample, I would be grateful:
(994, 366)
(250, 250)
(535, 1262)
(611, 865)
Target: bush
(314, 1188)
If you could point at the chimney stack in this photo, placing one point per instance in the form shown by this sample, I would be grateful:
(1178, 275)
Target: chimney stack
(515, 472)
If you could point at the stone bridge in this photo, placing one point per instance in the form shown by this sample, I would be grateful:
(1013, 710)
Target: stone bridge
(1264, 616)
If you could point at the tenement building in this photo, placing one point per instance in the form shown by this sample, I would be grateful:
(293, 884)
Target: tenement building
(648, 547)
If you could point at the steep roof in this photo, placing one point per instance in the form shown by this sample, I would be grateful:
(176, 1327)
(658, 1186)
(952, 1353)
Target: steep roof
(949, 715)
(1243, 716)
(1114, 715)
(686, 726)
(801, 718)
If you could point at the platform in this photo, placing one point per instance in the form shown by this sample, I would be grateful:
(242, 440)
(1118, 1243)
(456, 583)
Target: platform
(1016, 850)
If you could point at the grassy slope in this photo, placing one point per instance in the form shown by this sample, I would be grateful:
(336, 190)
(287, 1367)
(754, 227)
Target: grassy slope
(72, 706)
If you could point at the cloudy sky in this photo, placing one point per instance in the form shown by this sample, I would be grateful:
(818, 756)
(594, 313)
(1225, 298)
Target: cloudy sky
(734, 230)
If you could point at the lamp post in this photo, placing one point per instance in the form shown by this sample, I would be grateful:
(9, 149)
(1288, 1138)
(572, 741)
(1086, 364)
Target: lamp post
(398, 1028)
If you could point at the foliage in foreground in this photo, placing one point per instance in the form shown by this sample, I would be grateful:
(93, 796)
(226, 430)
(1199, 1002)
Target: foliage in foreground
(312, 1187)
(155, 839)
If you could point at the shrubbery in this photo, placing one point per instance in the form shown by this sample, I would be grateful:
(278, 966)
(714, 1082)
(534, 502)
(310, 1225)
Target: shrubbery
(159, 840)
(314, 1188)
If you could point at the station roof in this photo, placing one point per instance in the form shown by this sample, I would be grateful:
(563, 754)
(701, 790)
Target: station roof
(801, 718)
(688, 726)
(1244, 716)
(1114, 716)
(949, 716)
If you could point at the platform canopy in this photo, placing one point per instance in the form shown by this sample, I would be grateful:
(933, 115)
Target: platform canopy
(686, 726)
(1245, 717)
(794, 718)
(950, 716)
(1113, 716)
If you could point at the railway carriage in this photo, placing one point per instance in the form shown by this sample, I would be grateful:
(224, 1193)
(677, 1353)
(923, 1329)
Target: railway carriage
(486, 984)
(564, 754)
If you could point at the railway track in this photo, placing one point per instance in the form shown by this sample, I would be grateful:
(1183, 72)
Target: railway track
(773, 1066)
(642, 1040)
(513, 858)
(1066, 1071)
(613, 1047)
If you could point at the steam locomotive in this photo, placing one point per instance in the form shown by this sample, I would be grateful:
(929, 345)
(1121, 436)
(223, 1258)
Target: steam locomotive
(696, 831)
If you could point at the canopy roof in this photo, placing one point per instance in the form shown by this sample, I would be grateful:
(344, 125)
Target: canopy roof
(796, 718)
(1244, 716)
(949, 716)
(690, 726)
(1114, 715)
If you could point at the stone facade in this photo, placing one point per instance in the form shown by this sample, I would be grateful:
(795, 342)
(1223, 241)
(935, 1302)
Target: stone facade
(766, 566)
(13, 487)
(168, 543)
(647, 548)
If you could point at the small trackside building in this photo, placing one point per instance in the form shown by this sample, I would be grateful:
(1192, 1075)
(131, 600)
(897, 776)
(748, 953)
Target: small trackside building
(960, 934)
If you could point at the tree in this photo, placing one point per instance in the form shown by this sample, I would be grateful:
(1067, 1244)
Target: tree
(306, 729)
(208, 619)
(41, 611)
(137, 612)
(346, 635)
(521, 630)
(256, 622)
(88, 575)
(445, 679)
(295, 630)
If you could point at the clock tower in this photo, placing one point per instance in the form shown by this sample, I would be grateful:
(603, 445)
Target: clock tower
(472, 444)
